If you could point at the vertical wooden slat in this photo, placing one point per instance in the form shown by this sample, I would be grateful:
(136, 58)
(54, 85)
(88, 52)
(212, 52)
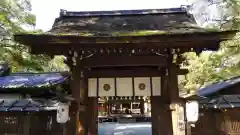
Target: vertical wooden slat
(133, 87)
(151, 86)
(108, 108)
(115, 86)
(27, 124)
(97, 87)
(231, 121)
(142, 105)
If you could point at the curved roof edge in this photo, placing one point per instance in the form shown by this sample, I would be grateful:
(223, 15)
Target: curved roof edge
(213, 89)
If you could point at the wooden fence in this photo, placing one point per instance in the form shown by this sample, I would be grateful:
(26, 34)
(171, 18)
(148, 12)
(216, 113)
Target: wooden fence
(38, 123)
(218, 122)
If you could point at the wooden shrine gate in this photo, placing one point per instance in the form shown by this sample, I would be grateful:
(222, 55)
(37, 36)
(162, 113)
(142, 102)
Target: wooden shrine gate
(132, 52)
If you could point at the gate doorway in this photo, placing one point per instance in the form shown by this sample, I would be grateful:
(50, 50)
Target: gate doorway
(108, 106)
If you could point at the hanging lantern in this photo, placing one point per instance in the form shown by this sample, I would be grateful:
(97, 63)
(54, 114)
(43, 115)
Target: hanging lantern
(62, 113)
(192, 111)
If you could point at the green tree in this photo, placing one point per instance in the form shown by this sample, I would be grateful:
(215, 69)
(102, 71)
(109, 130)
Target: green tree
(211, 67)
(16, 16)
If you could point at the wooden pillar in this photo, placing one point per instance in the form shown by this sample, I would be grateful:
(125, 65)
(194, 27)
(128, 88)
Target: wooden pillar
(92, 112)
(175, 101)
(161, 114)
(173, 84)
(78, 111)
(72, 124)
(83, 108)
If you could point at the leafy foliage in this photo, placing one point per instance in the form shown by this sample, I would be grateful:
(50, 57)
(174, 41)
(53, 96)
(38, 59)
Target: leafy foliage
(15, 16)
(211, 67)
(221, 14)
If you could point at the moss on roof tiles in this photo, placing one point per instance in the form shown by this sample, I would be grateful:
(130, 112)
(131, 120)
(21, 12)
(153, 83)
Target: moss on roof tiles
(135, 25)
(122, 33)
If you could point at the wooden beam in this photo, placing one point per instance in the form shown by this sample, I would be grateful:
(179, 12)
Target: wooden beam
(137, 72)
(123, 73)
(114, 61)
(30, 39)
(63, 49)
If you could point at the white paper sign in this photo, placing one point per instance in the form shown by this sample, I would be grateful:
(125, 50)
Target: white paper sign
(156, 86)
(124, 86)
(106, 87)
(142, 86)
(92, 87)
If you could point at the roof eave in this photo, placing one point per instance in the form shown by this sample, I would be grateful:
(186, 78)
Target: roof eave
(31, 39)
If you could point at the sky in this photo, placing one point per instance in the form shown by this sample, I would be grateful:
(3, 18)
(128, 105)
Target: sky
(47, 10)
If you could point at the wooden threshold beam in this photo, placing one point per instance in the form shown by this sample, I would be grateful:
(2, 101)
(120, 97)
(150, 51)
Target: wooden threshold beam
(129, 73)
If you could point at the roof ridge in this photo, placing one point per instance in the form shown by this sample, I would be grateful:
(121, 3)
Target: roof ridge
(65, 13)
